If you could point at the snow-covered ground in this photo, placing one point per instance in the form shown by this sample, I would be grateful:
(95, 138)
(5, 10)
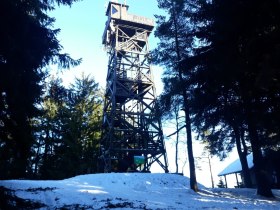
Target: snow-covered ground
(135, 191)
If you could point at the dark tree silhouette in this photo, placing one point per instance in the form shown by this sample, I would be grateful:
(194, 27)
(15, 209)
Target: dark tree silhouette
(171, 50)
(27, 45)
(224, 54)
(237, 73)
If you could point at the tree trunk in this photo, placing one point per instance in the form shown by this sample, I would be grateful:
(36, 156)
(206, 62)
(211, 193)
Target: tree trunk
(193, 182)
(242, 157)
(22, 152)
(177, 138)
(263, 183)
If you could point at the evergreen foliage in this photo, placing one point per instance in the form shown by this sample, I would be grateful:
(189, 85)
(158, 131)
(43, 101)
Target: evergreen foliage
(230, 70)
(221, 184)
(174, 46)
(27, 45)
(69, 131)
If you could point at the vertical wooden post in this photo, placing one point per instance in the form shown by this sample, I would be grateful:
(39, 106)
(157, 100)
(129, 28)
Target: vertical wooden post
(237, 180)
(226, 180)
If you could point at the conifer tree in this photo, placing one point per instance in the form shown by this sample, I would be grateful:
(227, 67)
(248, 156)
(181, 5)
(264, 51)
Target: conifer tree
(28, 43)
(230, 68)
(69, 130)
(236, 72)
(173, 47)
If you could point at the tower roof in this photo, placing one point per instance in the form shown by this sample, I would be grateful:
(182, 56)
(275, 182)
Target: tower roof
(118, 12)
(115, 3)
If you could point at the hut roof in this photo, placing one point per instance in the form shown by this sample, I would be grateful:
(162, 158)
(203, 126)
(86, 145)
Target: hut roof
(235, 166)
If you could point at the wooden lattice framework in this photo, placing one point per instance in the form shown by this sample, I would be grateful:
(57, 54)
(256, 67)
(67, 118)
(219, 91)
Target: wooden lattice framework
(130, 126)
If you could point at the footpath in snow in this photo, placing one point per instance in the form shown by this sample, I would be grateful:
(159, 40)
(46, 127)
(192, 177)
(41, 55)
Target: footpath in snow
(134, 191)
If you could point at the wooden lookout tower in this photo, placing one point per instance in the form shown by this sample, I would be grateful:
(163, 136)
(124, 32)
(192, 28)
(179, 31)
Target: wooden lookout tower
(131, 135)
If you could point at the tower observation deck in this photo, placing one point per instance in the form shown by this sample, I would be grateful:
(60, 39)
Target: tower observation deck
(132, 136)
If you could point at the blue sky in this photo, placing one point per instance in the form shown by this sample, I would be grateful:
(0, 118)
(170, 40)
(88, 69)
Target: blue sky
(82, 28)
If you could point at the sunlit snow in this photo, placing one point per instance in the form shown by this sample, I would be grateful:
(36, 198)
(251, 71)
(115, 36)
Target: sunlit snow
(135, 191)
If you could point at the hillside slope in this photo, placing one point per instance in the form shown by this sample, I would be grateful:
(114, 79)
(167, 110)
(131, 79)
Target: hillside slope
(132, 191)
